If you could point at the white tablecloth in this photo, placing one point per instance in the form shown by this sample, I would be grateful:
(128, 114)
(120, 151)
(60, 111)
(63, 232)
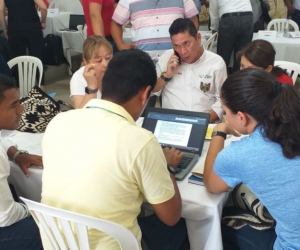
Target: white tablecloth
(54, 23)
(202, 210)
(287, 49)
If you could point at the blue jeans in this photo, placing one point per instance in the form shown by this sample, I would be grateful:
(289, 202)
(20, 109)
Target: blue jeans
(296, 17)
(246, 238)
(22, 235)
(235, 32)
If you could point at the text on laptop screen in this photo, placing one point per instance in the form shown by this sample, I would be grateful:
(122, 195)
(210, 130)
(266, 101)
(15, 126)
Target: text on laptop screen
(173, 130)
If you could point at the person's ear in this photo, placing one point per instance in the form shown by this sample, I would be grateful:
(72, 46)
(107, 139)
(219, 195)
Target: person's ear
(85, 61)
(243, 118)
(269, 68)
(145, 94)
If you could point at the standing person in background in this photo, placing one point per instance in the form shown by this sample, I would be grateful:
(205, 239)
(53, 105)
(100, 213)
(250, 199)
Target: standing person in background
(293, 7)
(258, 19)
(98, 14)
(278, 9)
(150, 22)
(234, 22)
(24, 29)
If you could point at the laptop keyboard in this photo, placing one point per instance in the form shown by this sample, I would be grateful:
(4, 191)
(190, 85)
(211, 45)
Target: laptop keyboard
(185, 161)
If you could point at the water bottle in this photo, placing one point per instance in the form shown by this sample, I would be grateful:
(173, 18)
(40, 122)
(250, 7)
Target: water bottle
(286, 28)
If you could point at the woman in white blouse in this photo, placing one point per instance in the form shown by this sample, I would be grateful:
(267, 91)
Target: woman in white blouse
(86, 83)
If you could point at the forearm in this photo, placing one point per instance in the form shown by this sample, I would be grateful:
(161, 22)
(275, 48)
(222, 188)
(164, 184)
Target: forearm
(195, 20)
(117, 34)
(160, 84)
(2, 19)
(43, 15)
(11, 152)
(98, 26)
(80, 101)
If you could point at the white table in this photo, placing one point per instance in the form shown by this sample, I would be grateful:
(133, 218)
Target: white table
(287, 49)
(71, 41)
(202, 210)
(54, 23)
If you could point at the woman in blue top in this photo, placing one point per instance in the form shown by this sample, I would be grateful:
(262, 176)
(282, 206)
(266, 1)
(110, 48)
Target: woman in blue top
(268, 161)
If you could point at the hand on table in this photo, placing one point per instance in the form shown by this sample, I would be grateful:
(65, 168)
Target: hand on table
(173, 156)
(27, 160)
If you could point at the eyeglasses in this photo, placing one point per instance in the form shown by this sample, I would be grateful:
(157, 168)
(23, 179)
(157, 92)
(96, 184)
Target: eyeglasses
(186, 45)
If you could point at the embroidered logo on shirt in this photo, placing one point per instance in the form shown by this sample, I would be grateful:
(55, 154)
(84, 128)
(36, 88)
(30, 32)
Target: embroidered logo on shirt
(204, 86)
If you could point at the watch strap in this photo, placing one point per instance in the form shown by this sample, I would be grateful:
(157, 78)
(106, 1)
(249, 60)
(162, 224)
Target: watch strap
(171, 169)
(19, 152)
(166, 79)
(90, 91)
(219, 133)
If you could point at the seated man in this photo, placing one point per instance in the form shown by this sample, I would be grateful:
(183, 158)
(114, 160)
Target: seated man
(190, 77)
(105, 166)
(17, 230)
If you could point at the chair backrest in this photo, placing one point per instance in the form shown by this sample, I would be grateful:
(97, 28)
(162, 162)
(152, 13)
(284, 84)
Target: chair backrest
(210, 42)
(292, 68)
(48, 218)
(53, 5)
(27, 66)
(82, 32)
(280, 24)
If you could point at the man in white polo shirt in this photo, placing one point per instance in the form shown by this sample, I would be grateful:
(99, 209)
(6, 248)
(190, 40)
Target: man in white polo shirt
(98, 162)
(192, 79)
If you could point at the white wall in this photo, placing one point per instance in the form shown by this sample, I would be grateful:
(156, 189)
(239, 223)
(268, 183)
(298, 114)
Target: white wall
(73, 6)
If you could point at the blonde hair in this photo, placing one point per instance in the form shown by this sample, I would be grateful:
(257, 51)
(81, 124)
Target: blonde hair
(92, 44)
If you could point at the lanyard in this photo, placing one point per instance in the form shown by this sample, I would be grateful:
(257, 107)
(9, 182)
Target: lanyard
(95, 107)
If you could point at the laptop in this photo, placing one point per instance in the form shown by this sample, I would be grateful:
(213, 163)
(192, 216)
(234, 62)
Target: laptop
(75, 20)
(184, 130)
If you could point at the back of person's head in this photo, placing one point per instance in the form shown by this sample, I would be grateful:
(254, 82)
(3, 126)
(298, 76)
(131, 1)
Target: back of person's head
(275, 106)
(127, 73)
(261, 54)
(92, 44)
(5, 84)
(182, 25)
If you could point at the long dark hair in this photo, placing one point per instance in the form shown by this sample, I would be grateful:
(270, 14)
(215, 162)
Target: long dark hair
(261, 53)
(275, 106)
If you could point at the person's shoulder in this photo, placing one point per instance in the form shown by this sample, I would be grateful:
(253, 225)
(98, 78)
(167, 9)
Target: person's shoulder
(166, 55)
(217, 60)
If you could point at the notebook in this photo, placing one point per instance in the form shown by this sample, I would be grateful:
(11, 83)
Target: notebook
(75, 20)
(184, 130)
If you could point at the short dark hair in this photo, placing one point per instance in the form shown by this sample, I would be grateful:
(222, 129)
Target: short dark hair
(261, 53)
(128, 72)
(182, 25)
(6, 83)
(275, 106)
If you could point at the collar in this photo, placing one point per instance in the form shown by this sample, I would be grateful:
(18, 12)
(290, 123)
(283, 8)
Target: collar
(110, 107)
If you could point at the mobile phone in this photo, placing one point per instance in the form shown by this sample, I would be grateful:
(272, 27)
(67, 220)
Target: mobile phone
(179, 59)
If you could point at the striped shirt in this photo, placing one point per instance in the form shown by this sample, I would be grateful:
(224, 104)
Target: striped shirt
(150, 21)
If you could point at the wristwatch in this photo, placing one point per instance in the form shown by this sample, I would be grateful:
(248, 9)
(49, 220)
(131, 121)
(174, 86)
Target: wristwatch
(219, 133)
(90, 91)
(166, 79)
(19, 152)
(171, 169)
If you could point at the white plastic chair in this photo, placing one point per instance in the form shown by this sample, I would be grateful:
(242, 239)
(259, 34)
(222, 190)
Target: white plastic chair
(27, 66)
(210, 42)
(292, 68)
(82, 32)
(279, 25)
(54, 4)
(47, 217)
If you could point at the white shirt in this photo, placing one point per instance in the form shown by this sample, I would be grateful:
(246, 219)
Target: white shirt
(195, 87)
(10, 211)
(78, 84)
(219, 7)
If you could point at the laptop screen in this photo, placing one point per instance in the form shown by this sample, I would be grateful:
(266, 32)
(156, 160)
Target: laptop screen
(184, 130)
(76, 20)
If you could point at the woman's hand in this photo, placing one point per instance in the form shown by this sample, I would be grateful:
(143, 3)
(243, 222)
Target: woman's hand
(89, 74)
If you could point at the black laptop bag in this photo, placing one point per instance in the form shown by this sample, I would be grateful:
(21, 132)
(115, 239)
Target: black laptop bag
(53, 50)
